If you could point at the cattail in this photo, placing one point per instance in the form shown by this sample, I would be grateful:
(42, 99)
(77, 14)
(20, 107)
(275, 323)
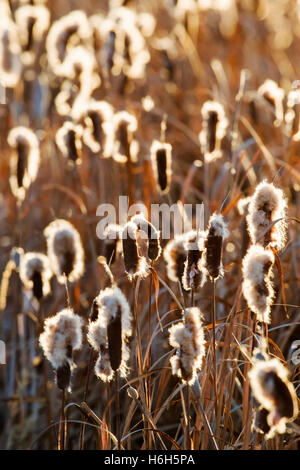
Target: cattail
(175, 256)
(10, 51)
(111, 243)
(243, 209)
(270, 385)
(257, 284)
(97, 115)
(153, 235)
(161, 159)
(123, 145)
(75, 25)
(188, 339)
(110, 332)
(214, 127)
(35, 273)
(192, 275)
(259, 422)
(135, 265)
(65, 250)
(274, 95)
(267, 205)
(25, 161)
(124, 48)
(68, 140)
(61, 336)
(217, 232)
(33, 22)
(293, 98)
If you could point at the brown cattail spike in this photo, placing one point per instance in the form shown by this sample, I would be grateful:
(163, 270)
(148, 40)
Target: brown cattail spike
(217, 232)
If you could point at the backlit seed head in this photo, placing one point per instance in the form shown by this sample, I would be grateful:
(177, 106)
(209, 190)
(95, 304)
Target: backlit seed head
(25, 161)
(112, 242)
(110, 332)
(217, 232)
(61, 336)
(73, 26)
(214, 126)
(161, 159)
(188, 339)
(193, 275)
(272, 93)
(122, 143)
(97, 116)
(135, 265)
(175, 256)
(35, 273)
(65, 250)
(32, 22)
(68, 140)
(257, 281)
(267, 205)
(270, 385)
(10, 52)
(153, 235)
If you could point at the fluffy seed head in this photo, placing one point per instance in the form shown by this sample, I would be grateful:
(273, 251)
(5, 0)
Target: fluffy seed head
(272, 93)
(110, 332)
(112, 242)
(122, 143)
(217, 232)
(74, 25)
(188, 339)
(214, 125)
(269, 380)
(68, 140)
(97, 116)
(257, 281)
(61, 336)
(192, 275)
(267, 205)
(25, 161)
(65, 250)
(175, 257)
(35, 273)
(10, 51)
(153, 235)
(161, 159)
(135, 265)
(32, 22)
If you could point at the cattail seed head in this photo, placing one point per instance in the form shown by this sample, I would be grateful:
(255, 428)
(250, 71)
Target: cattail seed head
(161, 159)
(153, 235)
(257, 281)
(97, 116)
(35, 273)
(32, 22)
(214, 127)
(10, 51)
(24, 163)
(75, 25)
(192, 275)
(188, 339)
(110, 332)
(135, 265)
(65, 250)
(217, 232)
(272, 93)
(267, 205)
(270, 385)
(175, 256)
(122, 143)
(112, 241)
(68, 140)
(61, 336)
